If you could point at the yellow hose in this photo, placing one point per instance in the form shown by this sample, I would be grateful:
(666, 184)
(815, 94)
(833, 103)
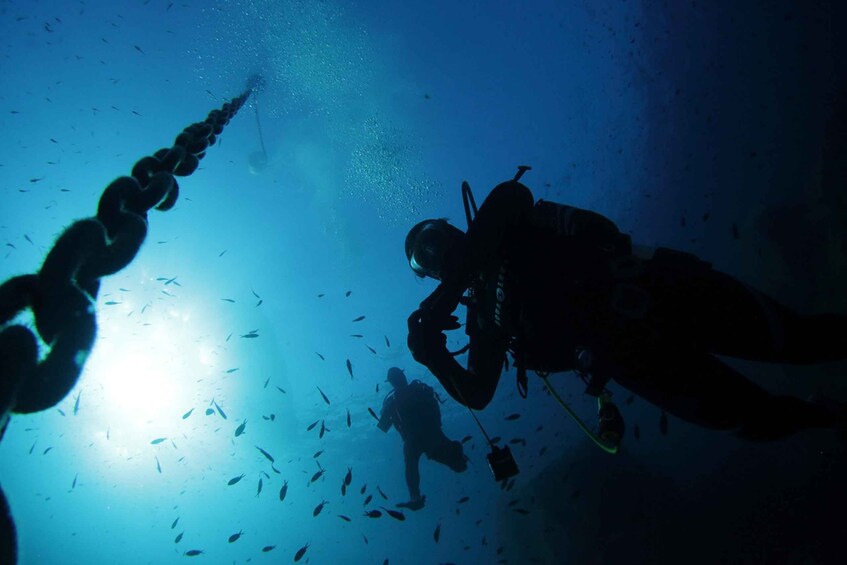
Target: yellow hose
(595, 439)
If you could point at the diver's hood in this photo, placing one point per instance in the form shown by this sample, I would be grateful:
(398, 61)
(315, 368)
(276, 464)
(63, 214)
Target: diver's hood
(430, 245)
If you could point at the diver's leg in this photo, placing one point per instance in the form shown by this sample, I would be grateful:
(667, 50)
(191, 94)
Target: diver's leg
(448, 452)
(725, 316)
(412, 456)
(705, 391)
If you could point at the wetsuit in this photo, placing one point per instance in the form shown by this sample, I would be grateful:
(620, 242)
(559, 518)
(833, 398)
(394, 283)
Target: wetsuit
(547, 281)
(413, 409)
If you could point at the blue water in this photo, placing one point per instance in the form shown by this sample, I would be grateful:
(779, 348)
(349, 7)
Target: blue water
(676, 120)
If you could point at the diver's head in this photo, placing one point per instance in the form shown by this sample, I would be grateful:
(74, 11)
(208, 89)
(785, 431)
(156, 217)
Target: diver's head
(396, 377)
(431, 247)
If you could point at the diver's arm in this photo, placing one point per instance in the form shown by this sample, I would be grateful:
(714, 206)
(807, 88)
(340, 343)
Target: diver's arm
(385, 421)
(473, 387)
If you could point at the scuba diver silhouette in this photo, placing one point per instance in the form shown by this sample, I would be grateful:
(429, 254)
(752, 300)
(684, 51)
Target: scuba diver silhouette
(560, 289)
(413, 409)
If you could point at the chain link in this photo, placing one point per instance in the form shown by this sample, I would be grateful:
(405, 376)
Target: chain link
(62, 294)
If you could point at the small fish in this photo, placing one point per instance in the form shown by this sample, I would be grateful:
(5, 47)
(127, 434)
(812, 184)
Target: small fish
(368, 500)
(175, 522)
(317, 454)
(240, 429)
(31, 448)
(250, 335)
(324, 429)
(266, 382)
(321, 295)
(343, 489)
(359, 319)
(312, 425)
(193, 552)
(254, 293)
(372, 350)
(349, 477)
(268, 548)
(394, 514)
(437, 533)
(76, 404)
(357, 335)
(259, 490)
(350, 368)
(317, 475)
(318, 508)
(663, 423)
(513, 416)
(73, 485)
(230, 300)
(178, 538)
(235, 537)
(348, 418)
(283, 491)
(112, 303)
(322, 394)
(364, 537)
(187, 414)
(230, 371)
(364, 488)
(222, 253)
(62, 412)
(382, 494)
(220, 411)
(343, 517)
(372, 413)
(467, 439)
(348, 293)
(158, 466)
(209, 411)
(266, 454)
(137, 48)
(373, 513)
(301, 552)
(387, 343)
(321, 356)
(280, 389)
(229, 336)
(235, 480)
(158, 440)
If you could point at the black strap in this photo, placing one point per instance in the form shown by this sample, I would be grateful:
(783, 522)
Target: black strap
(523, 382)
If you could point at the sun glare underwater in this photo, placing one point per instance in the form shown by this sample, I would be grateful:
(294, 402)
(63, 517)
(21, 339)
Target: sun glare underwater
(237, 400)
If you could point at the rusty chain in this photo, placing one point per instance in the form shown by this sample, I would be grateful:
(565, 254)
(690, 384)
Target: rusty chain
(62, 294)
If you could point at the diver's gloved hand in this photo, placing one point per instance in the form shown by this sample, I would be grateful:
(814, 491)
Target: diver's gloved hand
(426, 334)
